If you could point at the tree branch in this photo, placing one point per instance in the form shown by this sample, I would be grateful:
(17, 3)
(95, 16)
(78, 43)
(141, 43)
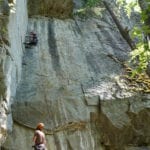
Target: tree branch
(123, 31)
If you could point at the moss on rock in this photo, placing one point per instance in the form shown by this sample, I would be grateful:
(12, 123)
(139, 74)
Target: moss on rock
(50, 8)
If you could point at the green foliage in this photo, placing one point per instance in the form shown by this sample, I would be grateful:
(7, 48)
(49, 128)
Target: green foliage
(81, 12)
(140, 57)
(89, 9)
(91, 3)
(129, 6)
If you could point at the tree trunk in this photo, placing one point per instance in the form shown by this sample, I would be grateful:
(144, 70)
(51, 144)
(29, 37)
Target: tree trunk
(145, 7)
(123, 31)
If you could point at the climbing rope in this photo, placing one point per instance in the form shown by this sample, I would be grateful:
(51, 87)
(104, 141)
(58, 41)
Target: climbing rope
(70, 126)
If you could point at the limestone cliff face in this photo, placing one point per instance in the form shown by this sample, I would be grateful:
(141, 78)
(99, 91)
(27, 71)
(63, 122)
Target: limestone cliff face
(70, 83)
(13, 21)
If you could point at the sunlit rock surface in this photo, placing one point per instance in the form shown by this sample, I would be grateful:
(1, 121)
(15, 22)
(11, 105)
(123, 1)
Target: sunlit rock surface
(13, 21)
(66, 62)
(70, 83)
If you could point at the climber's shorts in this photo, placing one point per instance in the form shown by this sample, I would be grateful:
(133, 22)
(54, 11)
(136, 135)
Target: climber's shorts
(39, 147)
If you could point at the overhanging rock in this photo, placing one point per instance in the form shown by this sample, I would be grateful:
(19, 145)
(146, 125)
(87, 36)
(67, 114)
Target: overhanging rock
(50, 8)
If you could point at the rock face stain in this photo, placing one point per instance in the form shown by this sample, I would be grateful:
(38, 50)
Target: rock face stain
(53, 48)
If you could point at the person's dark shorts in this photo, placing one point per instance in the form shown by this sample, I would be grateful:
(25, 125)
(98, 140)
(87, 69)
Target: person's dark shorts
(39, 147)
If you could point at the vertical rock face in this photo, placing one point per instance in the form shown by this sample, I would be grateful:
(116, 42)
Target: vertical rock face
(69, 82)
(13, 21)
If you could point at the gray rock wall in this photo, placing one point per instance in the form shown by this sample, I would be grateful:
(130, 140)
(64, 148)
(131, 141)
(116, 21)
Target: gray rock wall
(70, 82)
(62, 64)
(14, 26)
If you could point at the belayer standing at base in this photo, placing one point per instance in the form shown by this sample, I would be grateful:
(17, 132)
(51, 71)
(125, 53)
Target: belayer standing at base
(39, 138)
